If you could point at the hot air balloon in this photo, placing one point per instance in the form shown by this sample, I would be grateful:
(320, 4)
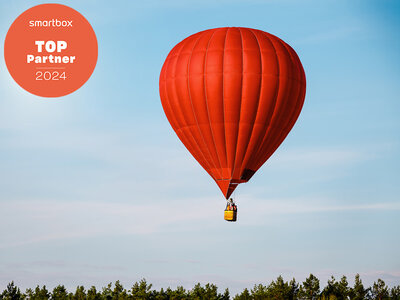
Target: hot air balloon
(232, 95)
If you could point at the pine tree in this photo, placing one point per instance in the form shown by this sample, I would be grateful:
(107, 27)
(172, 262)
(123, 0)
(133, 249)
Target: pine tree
(12, 292)
(119, 293)
(178, 294)
(358, 292)
(40, 293)
(59, 293)
(80, 293)
(93, 294)
(310, 288)
(141, 290)
(245, 295)
(259, 292)
(342, 289)
(294, 290)
(380, 291)
(107, 292)
(330, 289)
(226, 295)
(279, 289)
(395, 293)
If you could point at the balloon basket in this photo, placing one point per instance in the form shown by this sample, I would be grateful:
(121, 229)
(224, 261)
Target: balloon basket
(230, 215)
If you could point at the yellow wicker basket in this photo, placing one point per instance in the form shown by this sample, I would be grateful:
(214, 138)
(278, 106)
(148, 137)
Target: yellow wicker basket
(230, 215)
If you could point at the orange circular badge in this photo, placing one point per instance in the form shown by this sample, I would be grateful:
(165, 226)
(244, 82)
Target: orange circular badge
(50, 50)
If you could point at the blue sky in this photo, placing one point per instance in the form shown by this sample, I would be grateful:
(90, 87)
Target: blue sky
(96, 187)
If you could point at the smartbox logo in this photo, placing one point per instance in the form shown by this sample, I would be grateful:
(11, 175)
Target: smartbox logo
(50, 23)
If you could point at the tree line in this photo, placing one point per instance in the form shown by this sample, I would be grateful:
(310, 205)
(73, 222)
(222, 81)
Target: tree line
(277, 290)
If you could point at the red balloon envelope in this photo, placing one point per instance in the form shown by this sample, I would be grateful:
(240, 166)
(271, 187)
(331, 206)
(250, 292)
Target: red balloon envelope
(232, 95)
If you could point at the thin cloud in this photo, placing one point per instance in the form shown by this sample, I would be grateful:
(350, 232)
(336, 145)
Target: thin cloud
(47, 220)
(328, 36)
(322, 156)
(303, 205)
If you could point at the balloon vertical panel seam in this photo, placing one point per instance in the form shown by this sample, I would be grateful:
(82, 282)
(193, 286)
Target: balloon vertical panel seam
(243, 165)
(206, 101)
(184, 136)
(276, 94)
(223, 97)
(191, 103)
(273, 139)
(241, 102)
